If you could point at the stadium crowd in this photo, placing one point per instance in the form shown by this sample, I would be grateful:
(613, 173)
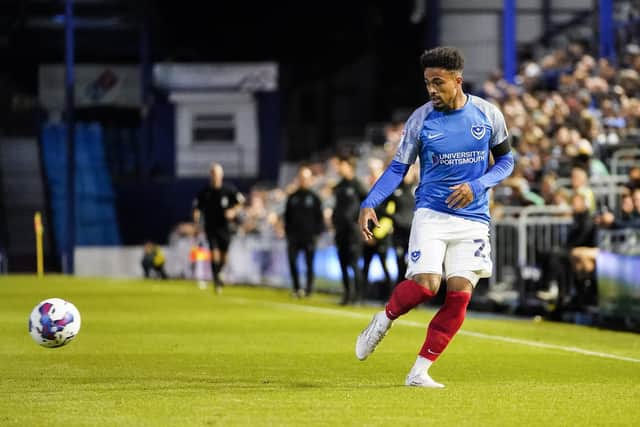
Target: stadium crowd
(566, 113)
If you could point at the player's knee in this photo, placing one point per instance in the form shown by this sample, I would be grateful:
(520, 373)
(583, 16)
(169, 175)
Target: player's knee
(462, 281)
(429, 281)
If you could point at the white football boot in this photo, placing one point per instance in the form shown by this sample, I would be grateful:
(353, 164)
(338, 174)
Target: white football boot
(421, 379)
(372, 335)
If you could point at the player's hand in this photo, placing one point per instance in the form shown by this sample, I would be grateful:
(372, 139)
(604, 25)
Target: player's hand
(366, 215)
(460, 197)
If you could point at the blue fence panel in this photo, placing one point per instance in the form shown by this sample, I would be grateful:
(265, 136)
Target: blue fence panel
(96, 222)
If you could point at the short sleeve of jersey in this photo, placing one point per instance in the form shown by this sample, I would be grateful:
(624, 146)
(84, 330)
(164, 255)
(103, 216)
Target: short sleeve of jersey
(410, 143)
(500, 133)
(498, 126)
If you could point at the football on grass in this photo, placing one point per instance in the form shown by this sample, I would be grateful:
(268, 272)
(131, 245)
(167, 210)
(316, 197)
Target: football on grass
(54, 322)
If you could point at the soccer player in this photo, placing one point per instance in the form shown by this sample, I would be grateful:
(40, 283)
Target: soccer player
(453, 135)
(218, 205)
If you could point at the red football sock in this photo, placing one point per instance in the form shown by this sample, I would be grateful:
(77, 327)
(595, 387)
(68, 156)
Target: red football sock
(406, 295)
(445, 324)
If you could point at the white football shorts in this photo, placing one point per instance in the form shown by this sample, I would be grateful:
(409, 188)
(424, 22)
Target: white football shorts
(438, 239)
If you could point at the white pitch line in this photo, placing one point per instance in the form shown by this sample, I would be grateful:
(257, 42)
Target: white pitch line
(538, 344)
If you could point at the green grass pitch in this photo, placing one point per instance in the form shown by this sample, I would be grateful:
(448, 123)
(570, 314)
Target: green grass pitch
(154, 353)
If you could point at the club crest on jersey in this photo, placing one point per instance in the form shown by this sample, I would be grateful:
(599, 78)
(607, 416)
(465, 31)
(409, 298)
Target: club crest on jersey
(478, 131)
(415, 256)
(434, 159)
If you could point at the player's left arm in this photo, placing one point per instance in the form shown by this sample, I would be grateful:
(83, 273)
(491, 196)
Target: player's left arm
(501, 169)
(235, 204)
(463, 194)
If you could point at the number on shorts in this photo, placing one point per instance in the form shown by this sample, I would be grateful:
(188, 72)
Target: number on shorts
(480, 251)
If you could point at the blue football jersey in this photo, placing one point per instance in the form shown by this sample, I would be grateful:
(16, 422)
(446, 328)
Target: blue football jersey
(453, 147)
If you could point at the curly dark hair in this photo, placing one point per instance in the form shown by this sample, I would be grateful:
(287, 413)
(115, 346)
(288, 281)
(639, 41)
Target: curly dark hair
(449, 58)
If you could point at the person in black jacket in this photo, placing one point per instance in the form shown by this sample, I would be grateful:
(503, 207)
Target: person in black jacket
(217, 205)
(404, 203)
(583, 244)
(349, 193)
(572, 286)
(381, 242)
(303, 222)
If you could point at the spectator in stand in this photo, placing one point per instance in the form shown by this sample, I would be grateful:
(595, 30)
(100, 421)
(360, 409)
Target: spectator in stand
(629, 213)
(578, 103)
(584, 158)
(303, 222)
(254, 217)
(518, 191)
(580, 185)
(548, 188)
(562, 198)
(634, 178)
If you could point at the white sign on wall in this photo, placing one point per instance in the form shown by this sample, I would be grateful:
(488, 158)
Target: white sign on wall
(220, 127)
(244, 77)
(94, 85)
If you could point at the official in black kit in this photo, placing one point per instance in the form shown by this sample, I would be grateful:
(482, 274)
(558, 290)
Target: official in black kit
(303, 222)
(349, 193)
(216, 207)
(404, 203)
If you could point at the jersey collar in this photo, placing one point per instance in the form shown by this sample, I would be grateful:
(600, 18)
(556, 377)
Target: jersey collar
(460, 110)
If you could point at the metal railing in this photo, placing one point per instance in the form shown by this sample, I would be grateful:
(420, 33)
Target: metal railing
(521, 236)
(622, 160)
(606, 189)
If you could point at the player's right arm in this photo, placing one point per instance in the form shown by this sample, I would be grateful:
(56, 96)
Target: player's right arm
(197, 208)
(406, 155)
